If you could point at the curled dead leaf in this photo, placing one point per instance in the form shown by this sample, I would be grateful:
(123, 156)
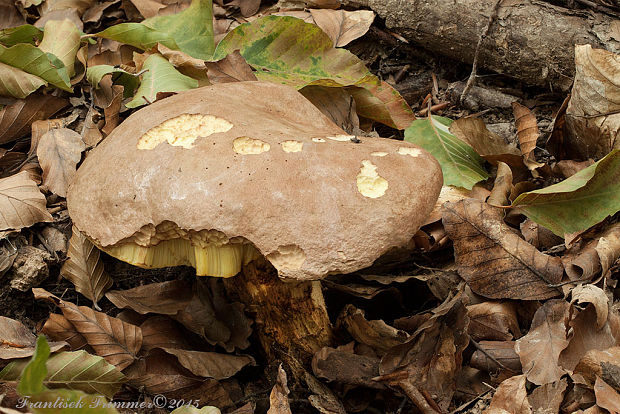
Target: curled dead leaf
(21, 202)
(59, 151)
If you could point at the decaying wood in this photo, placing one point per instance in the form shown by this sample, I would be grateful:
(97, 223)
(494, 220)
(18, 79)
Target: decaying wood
(290, 316)
(530, 40)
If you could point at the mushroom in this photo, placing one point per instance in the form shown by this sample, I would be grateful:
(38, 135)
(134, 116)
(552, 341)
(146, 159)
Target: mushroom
(251, 178)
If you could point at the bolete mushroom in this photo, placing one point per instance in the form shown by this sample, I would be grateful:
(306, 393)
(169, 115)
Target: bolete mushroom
(220, 176)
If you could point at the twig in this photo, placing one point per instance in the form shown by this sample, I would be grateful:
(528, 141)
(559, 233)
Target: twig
(474, 67)
(434, 108)
(466, 404)
(417, 398)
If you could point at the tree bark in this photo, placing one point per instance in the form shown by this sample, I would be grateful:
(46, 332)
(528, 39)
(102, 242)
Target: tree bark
(289, 316)
(530, 40)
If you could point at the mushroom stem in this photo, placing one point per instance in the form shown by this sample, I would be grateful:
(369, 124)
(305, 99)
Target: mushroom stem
(290, 316)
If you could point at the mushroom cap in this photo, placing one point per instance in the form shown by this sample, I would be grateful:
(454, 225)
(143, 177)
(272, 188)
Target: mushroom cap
(258, 162)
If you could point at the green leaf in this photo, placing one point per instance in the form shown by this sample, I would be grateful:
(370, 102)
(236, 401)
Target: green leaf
(61, 38)
(17, 83)
(160, 76)
(35, 61)
(94, 74)
(287, 50)
(190, 31)
(460, 164)
(35, 371)
(77, 370)
(579, 202)
(26, 33)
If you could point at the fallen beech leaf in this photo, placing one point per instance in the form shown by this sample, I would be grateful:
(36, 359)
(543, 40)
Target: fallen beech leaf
(342, 26)
(430, 359)
(376, 334)
(579, 202)
(58, 328)
(592, 127)
(17, 341)
(600, 363)
(539, 236)
(62, 39)
(493, 259)
(21, 202)
(510, 398)
(502, 187)
(606, 397)
(166, 298)
(211, 364)
(568, 168)
(116, 341)
(493, 321)
(608, 247)
(548, 398)
(540, 349)
(581, 262)
(594, 295)
(75, 370)
(162, 332)
(84, 269)
(527, 133)
(16, 119)
(585, 337)
(59, 151)
(278, 399)
(233, 68)
(336, 103)
(489, 145)
(246, 7)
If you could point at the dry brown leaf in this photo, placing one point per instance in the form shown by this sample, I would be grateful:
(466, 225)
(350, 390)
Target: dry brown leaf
(166, 298)
(608, 248)
(112, 108)
(335, 103)
(162, 332)
(600, 363)
(581, 262)
(567, 168)
(502, 187)
(503, 356)
(161, 373)
(187, 65)
(606, 397)
(21, 202)
(540, 349)
(116, 341)
(539, 236)
(58, 328)
(342, 26)
(592, 118)
(432, 356)
(17, 341)
(585, 337)
(527, 133)
(233, 68)
(493, 321)
(376, 334)
(59, 151)
(16, 119)
(246, 7)
(278, 399)
(9, 15)
(346, 367)
(547, 398)
(596, 296)
(91, 132)
(510, 398)
(489, 145)
(211, 364)
(84, 269)
(493, 259)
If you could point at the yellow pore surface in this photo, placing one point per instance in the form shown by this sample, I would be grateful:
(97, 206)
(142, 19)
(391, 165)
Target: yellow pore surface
(183, 130)
(209, 260)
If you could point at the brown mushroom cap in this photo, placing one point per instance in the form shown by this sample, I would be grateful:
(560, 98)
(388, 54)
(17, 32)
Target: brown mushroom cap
(251, 164)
